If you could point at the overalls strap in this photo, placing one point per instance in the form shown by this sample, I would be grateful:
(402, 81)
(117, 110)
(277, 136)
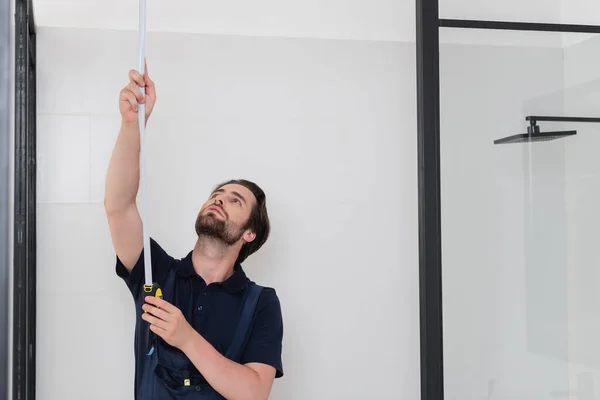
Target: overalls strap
(234, 352)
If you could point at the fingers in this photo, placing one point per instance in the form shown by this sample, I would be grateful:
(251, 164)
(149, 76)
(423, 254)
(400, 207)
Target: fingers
(139, 90)
(127, 96)
(150, 88)
(160, 303)
(133, 88)
(132, 93)
(142, 81)
(153, 321)
(137, 78)
(158, 330)
(157, 312)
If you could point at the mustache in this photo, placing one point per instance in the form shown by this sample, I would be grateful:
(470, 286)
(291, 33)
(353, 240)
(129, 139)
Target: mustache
(218, 207)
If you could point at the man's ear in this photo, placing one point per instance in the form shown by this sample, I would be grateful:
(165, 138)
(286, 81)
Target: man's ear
(249, 236)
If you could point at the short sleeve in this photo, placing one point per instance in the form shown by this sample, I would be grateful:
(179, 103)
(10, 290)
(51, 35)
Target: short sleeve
(266, 336)
(161, 265)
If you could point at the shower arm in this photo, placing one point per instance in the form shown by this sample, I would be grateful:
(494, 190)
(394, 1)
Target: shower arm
(533, 119)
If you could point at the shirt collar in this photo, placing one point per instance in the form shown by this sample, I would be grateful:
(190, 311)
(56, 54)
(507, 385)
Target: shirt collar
(235, 283)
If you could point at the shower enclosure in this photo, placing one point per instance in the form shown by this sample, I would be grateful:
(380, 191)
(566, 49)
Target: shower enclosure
(509, 184)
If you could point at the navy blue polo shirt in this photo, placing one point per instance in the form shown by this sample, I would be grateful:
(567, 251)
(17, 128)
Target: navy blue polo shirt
(211, 310)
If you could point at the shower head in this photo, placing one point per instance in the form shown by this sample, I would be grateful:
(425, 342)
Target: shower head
(534, 135)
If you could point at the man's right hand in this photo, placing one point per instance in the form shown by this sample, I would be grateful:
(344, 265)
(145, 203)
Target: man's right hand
(131, 96)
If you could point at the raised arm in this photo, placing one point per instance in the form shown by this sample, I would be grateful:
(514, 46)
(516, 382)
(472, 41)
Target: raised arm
(122, 178)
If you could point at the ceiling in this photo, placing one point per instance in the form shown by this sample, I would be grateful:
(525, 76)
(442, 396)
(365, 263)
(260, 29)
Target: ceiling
(385, 20)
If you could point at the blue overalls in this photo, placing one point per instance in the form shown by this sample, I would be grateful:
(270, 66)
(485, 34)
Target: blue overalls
(173, 382)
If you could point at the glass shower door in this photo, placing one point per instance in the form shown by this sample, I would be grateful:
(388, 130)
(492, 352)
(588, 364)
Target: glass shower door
(506, 216)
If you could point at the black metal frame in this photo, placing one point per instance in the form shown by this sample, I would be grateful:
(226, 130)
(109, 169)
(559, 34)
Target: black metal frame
(4, 182)
(517, 26)
(430, 251)
(428, 25)
(24, 314)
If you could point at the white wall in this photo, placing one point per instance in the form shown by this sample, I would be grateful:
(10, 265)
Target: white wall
(326, 127)
(583, 12)
(379, 20)
(510, 10)
(382, 20)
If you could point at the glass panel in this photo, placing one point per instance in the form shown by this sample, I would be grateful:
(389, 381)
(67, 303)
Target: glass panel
(582, 99)
(518, 219)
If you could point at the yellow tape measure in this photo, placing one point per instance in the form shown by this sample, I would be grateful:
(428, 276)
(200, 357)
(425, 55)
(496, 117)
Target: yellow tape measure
(153, 290)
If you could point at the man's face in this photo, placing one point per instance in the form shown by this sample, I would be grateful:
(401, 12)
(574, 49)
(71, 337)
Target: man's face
(225, 214)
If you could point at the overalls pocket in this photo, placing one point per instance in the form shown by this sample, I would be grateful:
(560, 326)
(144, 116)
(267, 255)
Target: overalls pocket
(172, 385)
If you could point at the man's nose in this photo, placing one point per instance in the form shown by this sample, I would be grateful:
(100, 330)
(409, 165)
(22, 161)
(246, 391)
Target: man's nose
(219, 200)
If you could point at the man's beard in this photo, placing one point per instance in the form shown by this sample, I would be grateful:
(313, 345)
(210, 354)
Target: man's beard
(224, 231)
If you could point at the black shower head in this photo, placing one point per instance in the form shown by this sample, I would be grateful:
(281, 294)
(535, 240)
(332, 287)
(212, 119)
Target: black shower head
(534, 135)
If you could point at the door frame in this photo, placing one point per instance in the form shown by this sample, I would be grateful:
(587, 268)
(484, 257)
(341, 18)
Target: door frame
(24, 240)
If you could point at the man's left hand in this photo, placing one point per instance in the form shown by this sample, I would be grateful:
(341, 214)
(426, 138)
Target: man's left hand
(167, 321)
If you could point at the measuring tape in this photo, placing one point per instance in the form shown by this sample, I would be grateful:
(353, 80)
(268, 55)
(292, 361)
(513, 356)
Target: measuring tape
(150, 288)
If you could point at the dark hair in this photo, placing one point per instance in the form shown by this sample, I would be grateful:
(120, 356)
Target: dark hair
(258, 221)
